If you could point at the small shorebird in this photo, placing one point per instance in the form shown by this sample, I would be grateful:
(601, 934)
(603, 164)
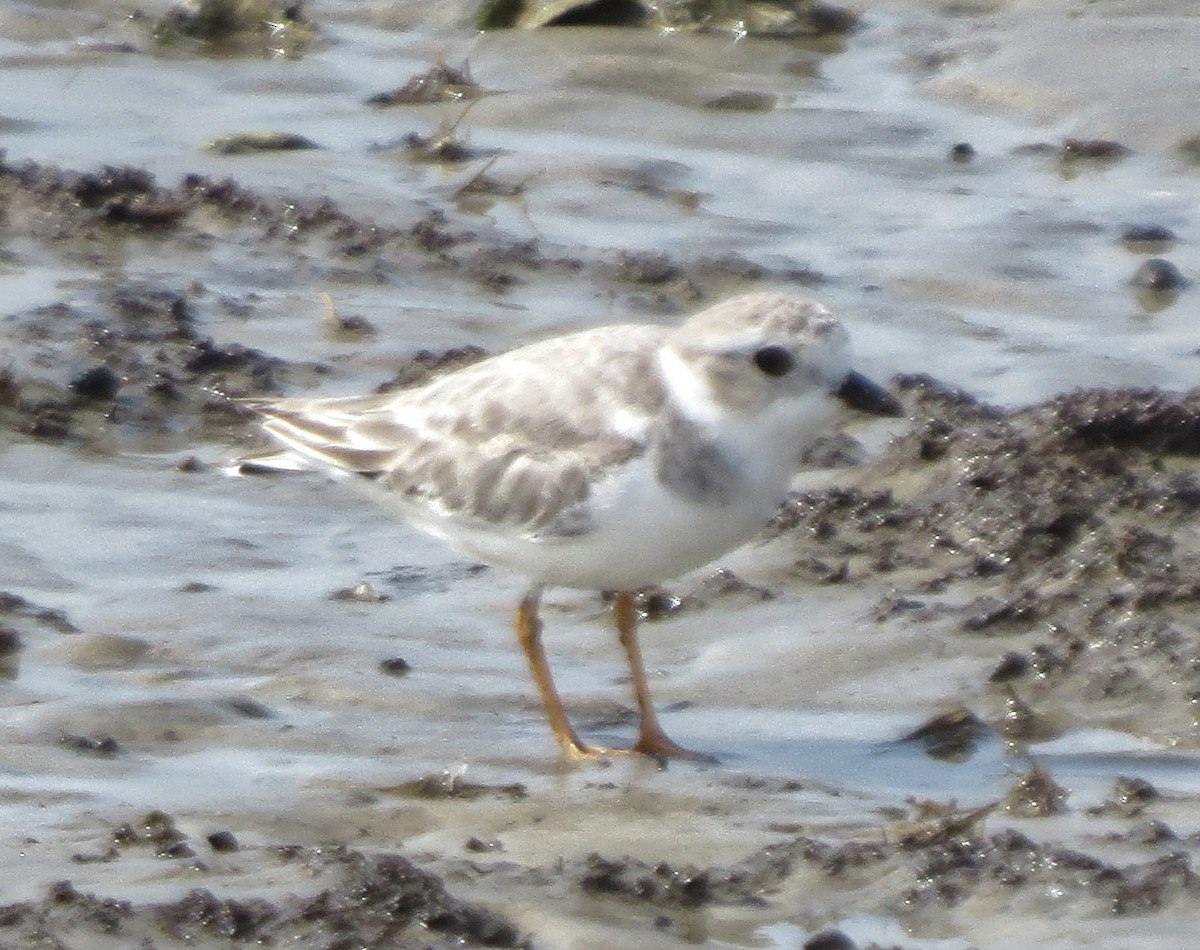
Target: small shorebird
(610, 459)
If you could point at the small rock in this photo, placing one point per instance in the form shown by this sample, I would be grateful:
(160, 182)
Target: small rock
(951, 736)
(1159, 274)
(98, 384)
(1011, 666)
(656, 603)
(361, 593)
(249, 143)
(155, 828)
(247, 707)
(829, 939)
(196, 587)
(440, 83)
(10, 642)
(1020, 721)
(740, 100)
(223, 841)
(105, 746)
(1035, 795)
(644, 267)
(1152, 831)
(63, 892)
(396, 666)
(1148, 234)
(1130, 797)
(1094, 149)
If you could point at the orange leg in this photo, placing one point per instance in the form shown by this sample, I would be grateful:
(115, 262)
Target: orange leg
(529, 633)
(652, 741)
(651, 738)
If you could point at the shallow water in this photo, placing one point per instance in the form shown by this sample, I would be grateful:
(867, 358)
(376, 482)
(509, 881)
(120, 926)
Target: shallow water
(256, 703)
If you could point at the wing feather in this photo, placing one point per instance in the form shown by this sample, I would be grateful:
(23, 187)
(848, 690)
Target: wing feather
(512, 440)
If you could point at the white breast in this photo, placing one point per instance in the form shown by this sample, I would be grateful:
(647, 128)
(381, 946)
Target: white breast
(644, 534)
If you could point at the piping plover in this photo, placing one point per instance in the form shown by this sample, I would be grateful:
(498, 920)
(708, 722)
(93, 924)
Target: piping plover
(610, 459)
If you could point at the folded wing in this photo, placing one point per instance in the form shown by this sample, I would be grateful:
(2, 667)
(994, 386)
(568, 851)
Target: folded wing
(511, 440)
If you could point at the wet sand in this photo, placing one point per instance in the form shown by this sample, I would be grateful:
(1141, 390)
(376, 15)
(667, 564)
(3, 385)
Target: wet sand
(952, 688)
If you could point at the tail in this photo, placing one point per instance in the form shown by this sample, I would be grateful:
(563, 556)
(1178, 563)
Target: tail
(315, 434)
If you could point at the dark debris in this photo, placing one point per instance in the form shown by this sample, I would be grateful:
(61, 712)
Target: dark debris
(1070, 518)
(374, 902)
(943, 868)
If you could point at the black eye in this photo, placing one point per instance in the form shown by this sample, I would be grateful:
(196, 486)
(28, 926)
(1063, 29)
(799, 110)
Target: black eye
(773, 360)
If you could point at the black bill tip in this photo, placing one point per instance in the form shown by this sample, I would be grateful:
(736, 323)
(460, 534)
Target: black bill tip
(861, 393)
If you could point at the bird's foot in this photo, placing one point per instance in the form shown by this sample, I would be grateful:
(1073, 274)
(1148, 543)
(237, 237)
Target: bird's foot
(654, 744)
(659, 746)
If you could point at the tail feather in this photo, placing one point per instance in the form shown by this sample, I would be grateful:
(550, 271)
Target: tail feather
(311, 442)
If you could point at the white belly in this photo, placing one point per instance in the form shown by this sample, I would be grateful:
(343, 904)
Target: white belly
(642, 534)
